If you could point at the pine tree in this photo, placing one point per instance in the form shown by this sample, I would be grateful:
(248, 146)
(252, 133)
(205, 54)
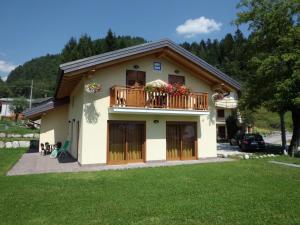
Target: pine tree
(85, 46)
(70, 51)
(110, 42)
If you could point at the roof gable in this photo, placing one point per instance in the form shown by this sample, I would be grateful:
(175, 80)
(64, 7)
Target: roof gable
(83, 65)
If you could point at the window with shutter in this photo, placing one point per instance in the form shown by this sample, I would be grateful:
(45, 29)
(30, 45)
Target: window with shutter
(175, 79)
(135, 78)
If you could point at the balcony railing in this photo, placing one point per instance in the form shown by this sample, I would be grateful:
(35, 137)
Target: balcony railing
(137, 97)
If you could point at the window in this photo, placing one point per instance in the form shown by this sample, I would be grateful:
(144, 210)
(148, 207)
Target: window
(220, 113)
(173, 79)
(135, 78)
(157, 66)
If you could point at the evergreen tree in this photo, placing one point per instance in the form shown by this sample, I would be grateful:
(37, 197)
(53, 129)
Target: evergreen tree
(4, 90)
(85, 47)
(110, 42)
(70, 51)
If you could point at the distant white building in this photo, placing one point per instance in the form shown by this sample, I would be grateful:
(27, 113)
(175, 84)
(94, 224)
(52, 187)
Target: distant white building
(5, 107)
(6, 102)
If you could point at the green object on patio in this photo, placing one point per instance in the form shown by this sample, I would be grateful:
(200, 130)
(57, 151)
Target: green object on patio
(58, 152)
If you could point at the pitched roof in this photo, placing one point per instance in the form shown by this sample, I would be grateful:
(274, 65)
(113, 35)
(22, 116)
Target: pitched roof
(138, 49)
(45, 106)
(121, 54)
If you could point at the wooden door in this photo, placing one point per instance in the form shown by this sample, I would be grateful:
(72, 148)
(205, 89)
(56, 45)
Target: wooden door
(135, 97)
(117, 142)
(135, 142)
(135, 81)
(135, 78)
(173, 142)
(181, 140)
(126, 142)
(189, 141)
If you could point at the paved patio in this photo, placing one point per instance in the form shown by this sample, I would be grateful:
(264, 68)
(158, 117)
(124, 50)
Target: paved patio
(35, 163)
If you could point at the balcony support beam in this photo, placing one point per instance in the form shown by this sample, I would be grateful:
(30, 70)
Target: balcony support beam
(132, 110)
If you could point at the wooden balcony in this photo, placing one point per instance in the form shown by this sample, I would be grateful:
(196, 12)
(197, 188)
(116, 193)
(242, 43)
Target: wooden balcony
(137, 97)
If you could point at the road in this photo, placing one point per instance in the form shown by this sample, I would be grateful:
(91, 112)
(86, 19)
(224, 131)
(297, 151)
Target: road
(275, 138)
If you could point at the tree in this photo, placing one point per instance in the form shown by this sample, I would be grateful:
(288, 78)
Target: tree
(110, 41)
(85, 47)
(275, 42)
(232, 125)
(4, 90)
(18, 105)
(70, 51)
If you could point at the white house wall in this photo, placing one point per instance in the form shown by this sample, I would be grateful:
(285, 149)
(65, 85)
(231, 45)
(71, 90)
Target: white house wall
(95, 113)
(54, 126)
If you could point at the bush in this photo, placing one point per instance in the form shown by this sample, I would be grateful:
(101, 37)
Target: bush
(232, 126)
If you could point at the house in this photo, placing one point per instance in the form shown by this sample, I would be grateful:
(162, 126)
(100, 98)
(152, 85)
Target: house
(224, 108)
(5, 107)
(6, 102)
(114, 107)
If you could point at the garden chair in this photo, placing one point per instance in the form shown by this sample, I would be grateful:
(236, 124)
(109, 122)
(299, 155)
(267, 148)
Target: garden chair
(58, 152)
(48, 148)
(43, 150)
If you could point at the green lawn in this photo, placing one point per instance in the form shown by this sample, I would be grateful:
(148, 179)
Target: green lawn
(16, 139)
(288, 159)
(270, 121)
(240, 192)
(8, 126)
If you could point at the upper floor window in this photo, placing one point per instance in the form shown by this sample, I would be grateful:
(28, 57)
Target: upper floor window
(220, 113)
(176, 79)
(135, 78)
(157, 66)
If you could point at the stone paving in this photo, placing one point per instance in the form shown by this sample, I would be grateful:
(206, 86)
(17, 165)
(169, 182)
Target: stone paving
(35, 163)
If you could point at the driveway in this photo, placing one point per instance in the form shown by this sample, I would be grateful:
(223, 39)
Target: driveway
(225, 150)
(275, 138)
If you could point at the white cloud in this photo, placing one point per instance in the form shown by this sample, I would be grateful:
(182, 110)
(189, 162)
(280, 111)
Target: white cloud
(6, 67)
(201, 25)
(4, 78)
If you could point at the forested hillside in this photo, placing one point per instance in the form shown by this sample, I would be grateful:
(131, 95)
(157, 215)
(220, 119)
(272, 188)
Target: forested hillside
(44, 70)
(229, 55)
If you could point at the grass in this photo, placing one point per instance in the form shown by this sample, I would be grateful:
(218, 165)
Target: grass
(240, 192)
(8, 126)
(16, 139)
(269, 121)
(8, 158)
(288, 159)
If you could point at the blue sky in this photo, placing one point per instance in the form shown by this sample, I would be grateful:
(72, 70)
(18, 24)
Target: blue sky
(33, 28)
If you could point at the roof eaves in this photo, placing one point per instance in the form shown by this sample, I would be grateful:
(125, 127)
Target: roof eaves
(121, 53)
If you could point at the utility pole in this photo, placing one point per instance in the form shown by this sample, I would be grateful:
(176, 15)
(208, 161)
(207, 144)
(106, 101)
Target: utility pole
(30, 99)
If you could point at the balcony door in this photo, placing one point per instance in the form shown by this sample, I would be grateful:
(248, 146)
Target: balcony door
(135, 78)
(135, 81)
(181, 140)
(126, 142)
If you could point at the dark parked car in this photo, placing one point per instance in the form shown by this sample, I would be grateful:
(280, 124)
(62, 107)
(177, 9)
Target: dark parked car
(252, 142)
